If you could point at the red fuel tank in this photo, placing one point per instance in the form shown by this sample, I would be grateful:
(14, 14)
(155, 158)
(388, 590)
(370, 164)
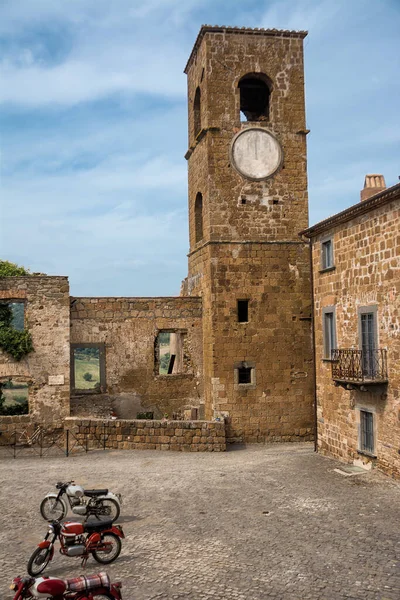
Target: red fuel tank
(71, 528)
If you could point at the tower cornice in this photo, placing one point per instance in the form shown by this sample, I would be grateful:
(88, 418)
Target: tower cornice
(240, 31)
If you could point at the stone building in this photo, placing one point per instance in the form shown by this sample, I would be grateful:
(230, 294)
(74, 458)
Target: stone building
(356, 289)
(236, 345)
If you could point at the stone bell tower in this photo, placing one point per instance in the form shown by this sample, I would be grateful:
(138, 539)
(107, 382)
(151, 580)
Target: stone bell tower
(247, 202)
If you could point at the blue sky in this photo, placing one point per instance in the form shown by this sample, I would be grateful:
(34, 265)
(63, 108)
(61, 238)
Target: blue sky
(94, 126)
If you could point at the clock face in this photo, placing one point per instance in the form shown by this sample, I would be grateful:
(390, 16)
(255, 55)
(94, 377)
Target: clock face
(256, 153)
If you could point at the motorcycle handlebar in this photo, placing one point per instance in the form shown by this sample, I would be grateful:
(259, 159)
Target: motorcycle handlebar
(60, 484)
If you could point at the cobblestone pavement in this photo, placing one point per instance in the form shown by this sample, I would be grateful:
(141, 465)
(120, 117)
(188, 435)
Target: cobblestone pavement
(261, 522)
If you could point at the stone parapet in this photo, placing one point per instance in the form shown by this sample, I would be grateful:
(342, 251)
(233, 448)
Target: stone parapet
(182, 436)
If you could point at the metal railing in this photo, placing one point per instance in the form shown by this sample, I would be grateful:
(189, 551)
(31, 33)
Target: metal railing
(359, 365)
(36, 440)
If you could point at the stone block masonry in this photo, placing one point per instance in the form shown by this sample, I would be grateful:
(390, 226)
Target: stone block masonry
(181, 436)
(47, 368)
(129, 328)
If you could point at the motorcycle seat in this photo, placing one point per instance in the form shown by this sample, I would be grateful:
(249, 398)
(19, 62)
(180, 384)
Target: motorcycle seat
(88, 582)
(92, 526)
(96, 492)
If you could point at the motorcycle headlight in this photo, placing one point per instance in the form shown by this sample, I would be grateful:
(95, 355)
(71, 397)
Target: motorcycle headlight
(51, 529)
(13, 587)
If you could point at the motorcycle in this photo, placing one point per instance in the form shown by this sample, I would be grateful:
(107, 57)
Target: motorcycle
(91, 587)
(100, 539)
(100, 503)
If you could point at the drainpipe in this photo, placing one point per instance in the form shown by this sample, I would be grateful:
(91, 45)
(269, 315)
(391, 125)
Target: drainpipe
(314, 367)
(314, 352)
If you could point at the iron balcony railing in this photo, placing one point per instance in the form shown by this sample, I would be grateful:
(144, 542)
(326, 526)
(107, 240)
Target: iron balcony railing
(359, 365)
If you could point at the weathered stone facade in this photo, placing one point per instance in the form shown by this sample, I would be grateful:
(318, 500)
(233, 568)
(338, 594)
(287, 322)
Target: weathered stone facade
(46, 370)
(364, 279)
(128, 327)
(254, 371)
(248, 246)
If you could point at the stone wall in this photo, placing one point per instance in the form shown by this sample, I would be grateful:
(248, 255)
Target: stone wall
(250, 247)
(366, 273)
(186, 436)
(47, 369)
(128, 327)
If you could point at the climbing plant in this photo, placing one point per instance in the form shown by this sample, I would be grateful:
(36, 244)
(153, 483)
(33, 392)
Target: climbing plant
(14, 342)
(9, 269)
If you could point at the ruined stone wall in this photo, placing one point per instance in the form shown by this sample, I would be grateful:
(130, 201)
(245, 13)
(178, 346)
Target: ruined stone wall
(366, 273)
(128, 327)
(185, 436)
(47, 369)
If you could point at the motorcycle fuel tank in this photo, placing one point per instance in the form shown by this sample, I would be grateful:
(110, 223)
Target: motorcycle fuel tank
(76, 491)
(45, 587)
(71, 528)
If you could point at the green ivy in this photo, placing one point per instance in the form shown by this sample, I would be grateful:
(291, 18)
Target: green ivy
(16, 343)
(9, 269)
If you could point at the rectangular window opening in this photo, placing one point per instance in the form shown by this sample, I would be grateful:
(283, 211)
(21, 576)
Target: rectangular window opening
(13, 397)
(88, 368)
(243, 311)
(12, 313)
(327, 254)
(172, 358)
(244, 374)
(329, 332)
(367, 442)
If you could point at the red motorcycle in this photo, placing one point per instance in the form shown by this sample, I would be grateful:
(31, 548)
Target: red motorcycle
(100, 539)
(91, 587)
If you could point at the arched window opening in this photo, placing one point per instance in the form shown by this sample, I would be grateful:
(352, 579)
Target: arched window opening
(198, 217)
(254, 98)
(197, 115)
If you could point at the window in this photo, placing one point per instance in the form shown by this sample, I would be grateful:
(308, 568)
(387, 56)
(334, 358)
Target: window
(255, 90)
(327, 254)
(245, 375)
(12, 313)
(366, 432)
(13, 397)
(243, 311)
(368, 339)
(328, 331)
(171, 354)
(88, 368)
(198, 217)
(197, 113)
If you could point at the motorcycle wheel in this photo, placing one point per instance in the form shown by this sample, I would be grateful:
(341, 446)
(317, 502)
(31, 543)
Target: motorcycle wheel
(52, 509)
(108, 556)
(112, 509)
(39, 561)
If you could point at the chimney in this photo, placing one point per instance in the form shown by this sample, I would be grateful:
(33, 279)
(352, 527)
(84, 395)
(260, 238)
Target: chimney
(373, 184)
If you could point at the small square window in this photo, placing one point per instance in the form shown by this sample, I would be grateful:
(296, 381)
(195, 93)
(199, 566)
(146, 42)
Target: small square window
(366, 436)
(327, 254)
(244, 375)
(243, 311)
(88, 368)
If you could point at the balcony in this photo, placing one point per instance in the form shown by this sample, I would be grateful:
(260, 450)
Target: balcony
(358, 368)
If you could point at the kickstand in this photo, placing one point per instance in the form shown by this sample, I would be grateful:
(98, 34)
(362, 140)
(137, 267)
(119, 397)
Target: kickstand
(84, 561)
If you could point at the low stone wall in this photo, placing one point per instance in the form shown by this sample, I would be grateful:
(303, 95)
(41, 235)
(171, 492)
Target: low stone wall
(185, 436)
